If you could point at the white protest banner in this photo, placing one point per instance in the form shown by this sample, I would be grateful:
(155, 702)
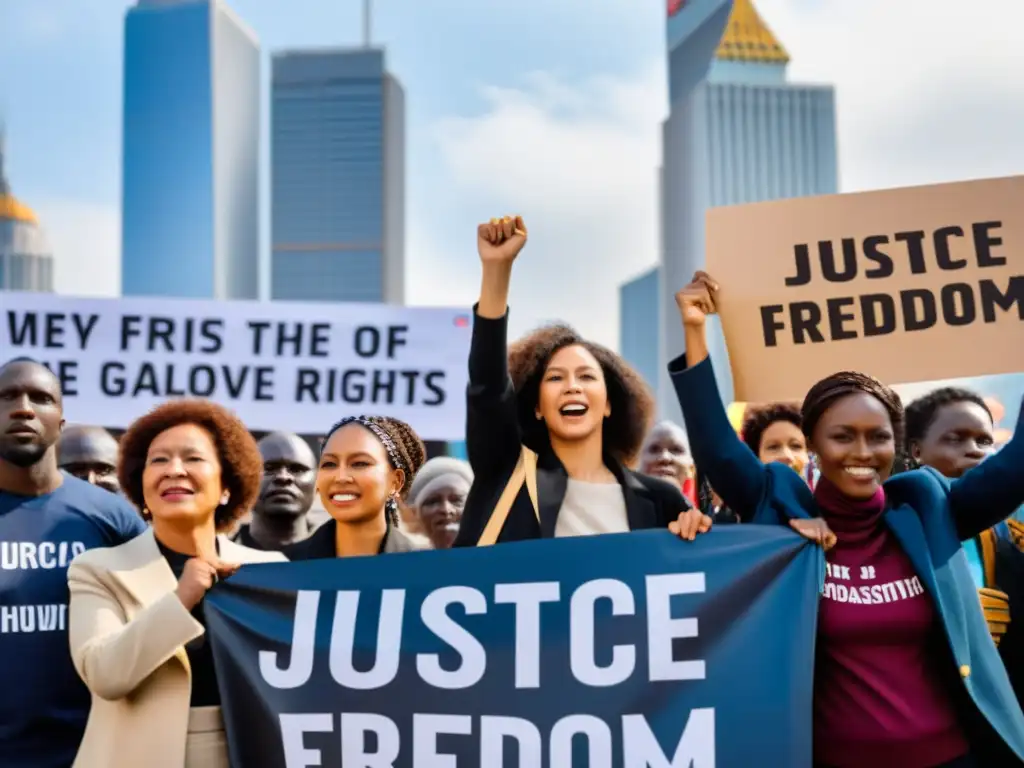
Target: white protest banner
(278, 365)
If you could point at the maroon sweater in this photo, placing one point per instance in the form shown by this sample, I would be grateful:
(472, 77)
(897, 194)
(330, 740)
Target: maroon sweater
(880, 693)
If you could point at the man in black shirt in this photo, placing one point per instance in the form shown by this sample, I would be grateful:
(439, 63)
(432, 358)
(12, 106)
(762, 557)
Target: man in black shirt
(280, 516)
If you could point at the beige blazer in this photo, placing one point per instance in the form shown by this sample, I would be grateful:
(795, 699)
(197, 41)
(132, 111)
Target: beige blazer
(127, 631)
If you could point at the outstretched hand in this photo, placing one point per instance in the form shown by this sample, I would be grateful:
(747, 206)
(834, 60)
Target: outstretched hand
(689, 524)
(500, 240)
(697, 300)
(815, 529)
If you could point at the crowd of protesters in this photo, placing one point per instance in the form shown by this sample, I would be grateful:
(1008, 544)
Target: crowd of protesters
(109, 547)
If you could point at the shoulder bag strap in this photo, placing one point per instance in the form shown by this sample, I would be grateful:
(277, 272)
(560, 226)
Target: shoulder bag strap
(530, 464)
(504, 505)
(525, 472)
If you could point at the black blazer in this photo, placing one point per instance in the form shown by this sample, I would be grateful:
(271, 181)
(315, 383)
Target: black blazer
(493, 443)
(320, 546)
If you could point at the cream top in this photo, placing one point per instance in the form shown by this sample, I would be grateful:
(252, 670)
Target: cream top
(590, 508)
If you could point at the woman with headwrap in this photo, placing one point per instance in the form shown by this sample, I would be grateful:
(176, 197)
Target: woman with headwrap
(438, 496)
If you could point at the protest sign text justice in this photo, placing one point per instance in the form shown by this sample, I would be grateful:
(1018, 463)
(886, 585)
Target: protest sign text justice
(617, 651)
(590, 664)
(911, 309)
(868, 281)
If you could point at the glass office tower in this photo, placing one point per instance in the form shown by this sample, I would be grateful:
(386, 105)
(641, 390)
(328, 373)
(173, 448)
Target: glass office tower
(738, 132)
(338, 177)
(190, 192)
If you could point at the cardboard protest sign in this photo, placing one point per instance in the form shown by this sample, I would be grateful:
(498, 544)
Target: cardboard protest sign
(908, 285)
(279, 365)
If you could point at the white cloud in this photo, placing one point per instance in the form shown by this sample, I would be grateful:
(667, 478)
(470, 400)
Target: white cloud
(927, 91)
(85, 239)
(579, 162)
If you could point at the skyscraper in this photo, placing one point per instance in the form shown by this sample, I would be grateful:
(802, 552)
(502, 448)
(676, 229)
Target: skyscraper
(190, 207)
(25, 260)
(639, 317)
(338, 177)
(737, 132)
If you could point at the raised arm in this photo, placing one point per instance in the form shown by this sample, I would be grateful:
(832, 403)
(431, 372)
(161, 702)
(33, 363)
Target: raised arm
(729, 465)
(993, 490)
(493, 437)
(113, 655)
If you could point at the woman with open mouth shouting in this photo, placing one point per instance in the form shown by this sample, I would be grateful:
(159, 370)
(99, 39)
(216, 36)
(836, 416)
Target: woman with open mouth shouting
(367, 463)
(906, 673)
(552, 425)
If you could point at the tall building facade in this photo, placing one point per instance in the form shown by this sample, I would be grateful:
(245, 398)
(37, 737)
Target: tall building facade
(191, 152)
(338, 177)
(26, 263)
(639, 319)
(738, 132)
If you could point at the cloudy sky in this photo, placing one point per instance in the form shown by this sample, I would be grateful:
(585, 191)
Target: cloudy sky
(548, 109)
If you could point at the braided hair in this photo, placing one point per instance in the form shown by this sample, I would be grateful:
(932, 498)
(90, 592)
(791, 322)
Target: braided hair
(923, 411)
(404, 448)
(830, 389)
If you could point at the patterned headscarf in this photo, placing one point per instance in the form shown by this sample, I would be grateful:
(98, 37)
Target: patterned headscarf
(378, 431)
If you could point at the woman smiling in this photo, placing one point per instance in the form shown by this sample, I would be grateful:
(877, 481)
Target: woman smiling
(136, 615)
(366, 466)
(906, 673)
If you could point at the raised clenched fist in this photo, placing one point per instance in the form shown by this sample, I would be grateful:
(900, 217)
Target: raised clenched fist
(697, 300)
(500, 240)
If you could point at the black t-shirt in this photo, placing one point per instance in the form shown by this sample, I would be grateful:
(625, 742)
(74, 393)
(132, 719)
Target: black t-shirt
(200, 656)
(245, 538)
(321, 545)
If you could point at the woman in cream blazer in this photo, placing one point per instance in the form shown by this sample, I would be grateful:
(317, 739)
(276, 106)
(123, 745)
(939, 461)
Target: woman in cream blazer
(136, 615)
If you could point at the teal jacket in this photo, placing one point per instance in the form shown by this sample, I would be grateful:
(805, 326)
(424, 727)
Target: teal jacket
(930, 517)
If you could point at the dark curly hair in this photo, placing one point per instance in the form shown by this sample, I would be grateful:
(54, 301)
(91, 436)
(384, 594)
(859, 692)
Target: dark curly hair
(241, 465)
(630, 398)
(411, 452)
(921, 413)
(823, 394)
(758, 419)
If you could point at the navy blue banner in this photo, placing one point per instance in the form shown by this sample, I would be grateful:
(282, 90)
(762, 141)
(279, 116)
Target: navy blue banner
(627, 651)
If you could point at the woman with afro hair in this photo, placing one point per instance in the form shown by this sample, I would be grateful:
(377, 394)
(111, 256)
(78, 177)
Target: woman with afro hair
(773, 432)
(136, 618)
(905, 671)
(552, 425)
